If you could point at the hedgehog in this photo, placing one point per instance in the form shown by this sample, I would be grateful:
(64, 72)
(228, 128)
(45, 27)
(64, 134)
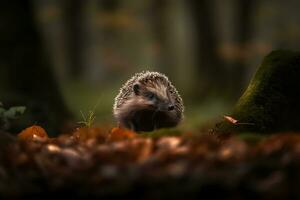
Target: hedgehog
(148, 101)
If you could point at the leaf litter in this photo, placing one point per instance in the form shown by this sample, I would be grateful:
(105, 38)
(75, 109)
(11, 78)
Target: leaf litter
(95, 162)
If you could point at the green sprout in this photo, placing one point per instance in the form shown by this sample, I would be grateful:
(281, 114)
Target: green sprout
(88, 119)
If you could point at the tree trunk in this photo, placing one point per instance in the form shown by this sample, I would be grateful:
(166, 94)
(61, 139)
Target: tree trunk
(74, 35)
(211, 73)
(161, 34)
(244, 30)
(270, 104)
(26, 75)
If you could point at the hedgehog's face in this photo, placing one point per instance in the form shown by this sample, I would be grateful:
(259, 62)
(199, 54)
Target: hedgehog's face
(156, 96)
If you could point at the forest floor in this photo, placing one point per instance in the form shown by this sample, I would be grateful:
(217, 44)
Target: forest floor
(102, 162)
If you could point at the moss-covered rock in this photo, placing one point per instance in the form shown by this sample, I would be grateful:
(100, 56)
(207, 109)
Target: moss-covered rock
(271, 103)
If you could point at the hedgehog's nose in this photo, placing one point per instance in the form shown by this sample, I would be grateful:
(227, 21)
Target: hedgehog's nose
(171, 107)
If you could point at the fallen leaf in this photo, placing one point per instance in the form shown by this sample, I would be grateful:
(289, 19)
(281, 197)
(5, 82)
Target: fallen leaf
(86, 133)
(31, 132)
(53, 148)
(118, 134)
(230, 119)
(168, 142)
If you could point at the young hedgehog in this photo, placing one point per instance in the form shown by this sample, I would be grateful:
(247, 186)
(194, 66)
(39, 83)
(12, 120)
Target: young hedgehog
(148, 101)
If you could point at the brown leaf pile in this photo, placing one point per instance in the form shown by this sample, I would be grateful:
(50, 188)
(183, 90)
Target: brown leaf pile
(93, 162)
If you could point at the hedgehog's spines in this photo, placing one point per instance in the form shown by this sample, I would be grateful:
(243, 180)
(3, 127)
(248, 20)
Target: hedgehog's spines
(144, 77)
(125, 90)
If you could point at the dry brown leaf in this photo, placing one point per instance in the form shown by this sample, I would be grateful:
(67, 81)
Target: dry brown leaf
(86, 133)
(230, 119)
(32, 132)
(118, 134)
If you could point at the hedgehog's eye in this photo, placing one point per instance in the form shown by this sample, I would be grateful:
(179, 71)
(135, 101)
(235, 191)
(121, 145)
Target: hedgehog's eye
(136, 88)
(150, 95)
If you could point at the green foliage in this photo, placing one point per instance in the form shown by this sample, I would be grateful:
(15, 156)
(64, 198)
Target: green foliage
(6, 115)
(14, 112)
(88, 119)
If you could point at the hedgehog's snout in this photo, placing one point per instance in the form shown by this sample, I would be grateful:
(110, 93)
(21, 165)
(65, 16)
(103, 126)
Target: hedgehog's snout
(171, 107)
(166, 107)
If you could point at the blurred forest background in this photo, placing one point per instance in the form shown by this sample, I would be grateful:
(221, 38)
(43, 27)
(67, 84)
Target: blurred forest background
(60, 57)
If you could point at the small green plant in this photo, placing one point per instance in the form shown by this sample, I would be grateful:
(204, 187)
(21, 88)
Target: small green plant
(6, 115)
(88, 119)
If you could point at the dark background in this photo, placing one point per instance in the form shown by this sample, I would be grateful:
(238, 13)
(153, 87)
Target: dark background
(60, 57)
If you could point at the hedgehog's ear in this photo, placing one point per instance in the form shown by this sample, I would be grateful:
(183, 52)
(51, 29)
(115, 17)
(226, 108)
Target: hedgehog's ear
(136, 89)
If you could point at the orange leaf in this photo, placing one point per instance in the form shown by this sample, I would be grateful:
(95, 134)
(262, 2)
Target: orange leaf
(85, 133)
(31, 132)
(118, 134)
(230, 119)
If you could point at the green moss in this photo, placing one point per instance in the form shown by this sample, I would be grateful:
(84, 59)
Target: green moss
(271, 101)
(252, 138)
(162, 132)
